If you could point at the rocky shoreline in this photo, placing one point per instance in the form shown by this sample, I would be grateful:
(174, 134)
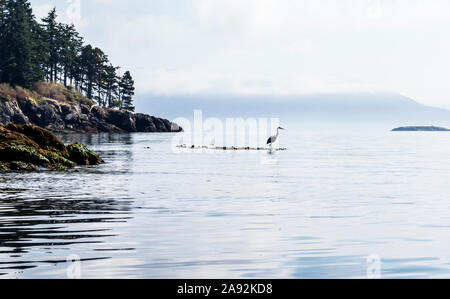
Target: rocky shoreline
(31, 148)
(80, 117)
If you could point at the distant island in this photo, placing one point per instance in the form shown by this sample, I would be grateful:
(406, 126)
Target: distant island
(422, 129)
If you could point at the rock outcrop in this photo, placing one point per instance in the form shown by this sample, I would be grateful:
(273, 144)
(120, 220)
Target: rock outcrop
(79, 117)
(30, 148)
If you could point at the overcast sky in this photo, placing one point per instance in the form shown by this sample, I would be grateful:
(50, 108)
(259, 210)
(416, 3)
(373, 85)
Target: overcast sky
(272, 46)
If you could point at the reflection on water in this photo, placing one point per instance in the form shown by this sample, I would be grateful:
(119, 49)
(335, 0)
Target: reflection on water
(45, 216)
(318, 210)
(29, 222)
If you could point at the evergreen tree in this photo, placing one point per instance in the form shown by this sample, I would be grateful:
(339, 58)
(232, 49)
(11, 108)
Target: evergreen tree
(126, 86)
(3, 11)
(111, 85)
(31, 52)
(20, 65)
(70, 44)
(51, 39)
(92, 61)
(3, 19)
(41, 49)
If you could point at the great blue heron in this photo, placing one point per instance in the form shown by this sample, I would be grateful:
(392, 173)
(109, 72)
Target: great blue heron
(274, 138)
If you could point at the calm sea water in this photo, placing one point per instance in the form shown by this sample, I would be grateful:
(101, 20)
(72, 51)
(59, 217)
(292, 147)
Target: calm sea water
(333, 206)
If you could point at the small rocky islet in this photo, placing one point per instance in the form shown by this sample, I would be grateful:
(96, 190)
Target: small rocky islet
(31, 148)
(420, 129)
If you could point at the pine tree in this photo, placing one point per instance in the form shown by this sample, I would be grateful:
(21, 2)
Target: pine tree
(20, 57)
(126, 86)
(3, 12)
(3, 19)
(31, 52)
(86, 70)
(51, 39)
(70, 46)
(92, 61)
(41, 49)
(111, 85)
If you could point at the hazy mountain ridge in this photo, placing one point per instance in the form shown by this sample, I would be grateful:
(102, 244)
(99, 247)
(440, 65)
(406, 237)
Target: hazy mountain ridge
(384, 108)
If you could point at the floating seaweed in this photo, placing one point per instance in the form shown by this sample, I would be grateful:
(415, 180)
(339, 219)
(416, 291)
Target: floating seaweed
(232, 148)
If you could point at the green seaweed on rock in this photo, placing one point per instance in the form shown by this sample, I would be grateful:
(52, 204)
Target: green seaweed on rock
(30, 148)
(82, 155)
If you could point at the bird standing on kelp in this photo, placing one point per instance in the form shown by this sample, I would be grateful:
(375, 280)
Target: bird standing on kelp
(274, 138)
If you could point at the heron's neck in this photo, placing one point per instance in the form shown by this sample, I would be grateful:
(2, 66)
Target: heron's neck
(278, 132)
